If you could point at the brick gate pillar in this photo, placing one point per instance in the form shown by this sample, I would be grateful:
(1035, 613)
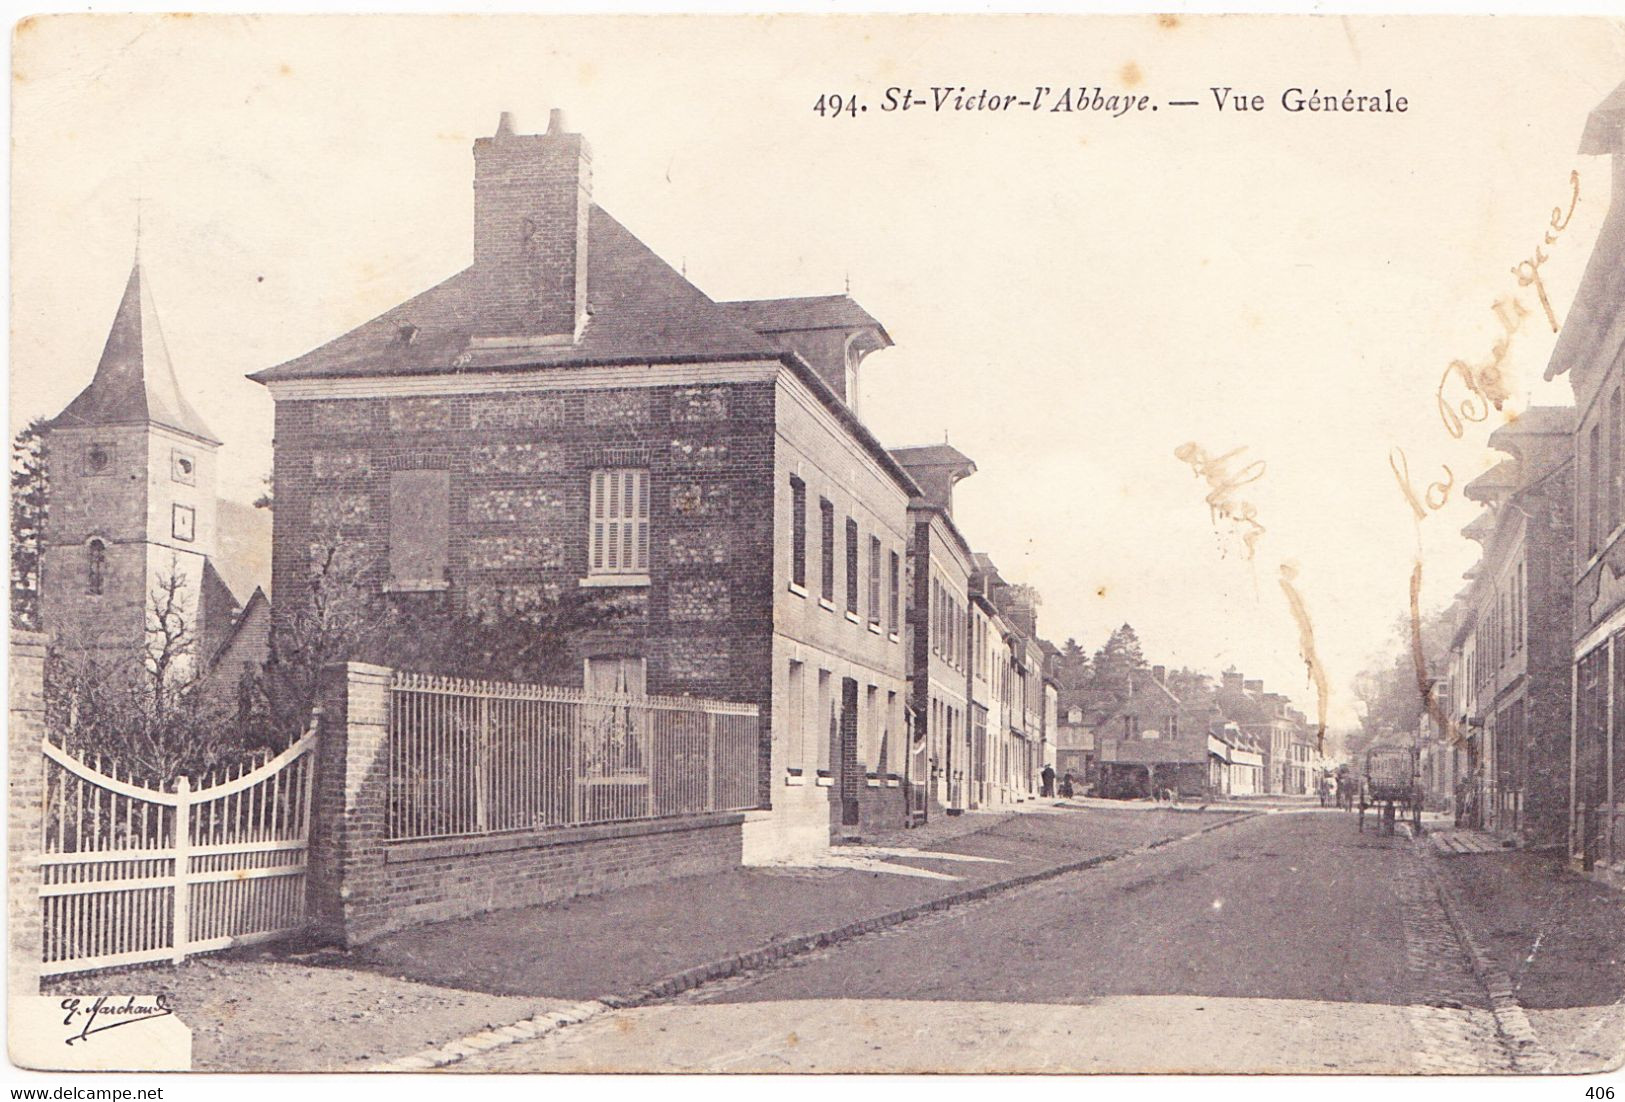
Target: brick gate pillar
(25, 772)
(345, 877)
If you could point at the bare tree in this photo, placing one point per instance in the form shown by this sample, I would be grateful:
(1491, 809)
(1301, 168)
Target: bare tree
(340, 615)
(143, 701)
(333, 617)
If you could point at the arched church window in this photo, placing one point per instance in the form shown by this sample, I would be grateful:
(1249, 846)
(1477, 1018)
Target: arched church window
(96, 570)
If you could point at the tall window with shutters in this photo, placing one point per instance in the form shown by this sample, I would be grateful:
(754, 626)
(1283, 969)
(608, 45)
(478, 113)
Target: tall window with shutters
(851, 566)
(1616, 461)
(1594, 479)
(874, 581)
(618, 540)
(893, 610)
(826, 549)
(798, 533)
(419, 530)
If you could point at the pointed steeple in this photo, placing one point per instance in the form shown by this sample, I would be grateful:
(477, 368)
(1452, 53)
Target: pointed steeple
(134, 382)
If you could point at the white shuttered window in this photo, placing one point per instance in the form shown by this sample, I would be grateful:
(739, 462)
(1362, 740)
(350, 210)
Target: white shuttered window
(619, 540)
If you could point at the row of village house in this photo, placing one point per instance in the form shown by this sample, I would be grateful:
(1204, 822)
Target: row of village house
(1524, 735)
(571, 412)
(1192, 740)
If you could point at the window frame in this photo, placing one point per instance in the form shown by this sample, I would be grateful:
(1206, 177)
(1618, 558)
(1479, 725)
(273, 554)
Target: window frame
(176, 512)
(851, 568)
(96, 567)
(426, 583)
(826, 546)
(798, 535)
(874, 582)
(1616, 458)
(1594, 536)
(627, 529)
(894, 609)
(186, 476)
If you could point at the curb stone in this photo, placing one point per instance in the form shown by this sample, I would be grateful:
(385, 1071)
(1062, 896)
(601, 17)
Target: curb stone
(1517, 1034)
(551, 1021)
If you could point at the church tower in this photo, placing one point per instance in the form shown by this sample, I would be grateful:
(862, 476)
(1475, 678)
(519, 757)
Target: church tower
(131, 470)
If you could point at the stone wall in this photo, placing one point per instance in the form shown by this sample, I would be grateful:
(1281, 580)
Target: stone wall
(25, 792)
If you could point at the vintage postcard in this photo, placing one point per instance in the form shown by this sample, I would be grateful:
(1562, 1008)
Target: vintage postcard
(817, 543)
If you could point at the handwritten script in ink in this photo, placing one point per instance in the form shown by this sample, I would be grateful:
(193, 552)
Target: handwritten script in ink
(1467, 392)
(1475, 389)
(1225, 475)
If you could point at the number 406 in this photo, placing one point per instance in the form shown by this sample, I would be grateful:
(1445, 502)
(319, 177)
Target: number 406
(1601, 1093)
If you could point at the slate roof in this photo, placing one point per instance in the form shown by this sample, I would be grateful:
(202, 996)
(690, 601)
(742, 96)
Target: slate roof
(792, 315)
(641, 308)
(258, 605)
(1538, 420)
(1499, 479)
(1605, 127)
(134, 382)
(934, 455)
(218, 610)
(1595, 325)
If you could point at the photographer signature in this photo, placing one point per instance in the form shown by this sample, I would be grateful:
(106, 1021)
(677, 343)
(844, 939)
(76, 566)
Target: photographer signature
(103, 1013)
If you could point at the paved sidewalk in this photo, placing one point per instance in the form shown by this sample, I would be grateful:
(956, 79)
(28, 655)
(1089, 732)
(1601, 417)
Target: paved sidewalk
(1454, 841)
(1557, 936)
(619, 943)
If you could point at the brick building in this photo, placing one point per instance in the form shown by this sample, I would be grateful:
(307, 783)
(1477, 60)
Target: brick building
(1076, 725)
(1515, 658)
(1018, 751)
(570, 412)
(1144, 746)
(1278, 729)
(132, 471)
(942, 662)
(1588, 352)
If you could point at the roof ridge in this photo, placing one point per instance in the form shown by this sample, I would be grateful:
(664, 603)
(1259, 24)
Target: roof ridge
(135, 380)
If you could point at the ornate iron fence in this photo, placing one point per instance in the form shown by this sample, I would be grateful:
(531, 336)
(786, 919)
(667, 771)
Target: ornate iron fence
(482, 757)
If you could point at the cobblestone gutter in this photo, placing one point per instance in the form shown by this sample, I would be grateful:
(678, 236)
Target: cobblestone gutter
(1437, 939)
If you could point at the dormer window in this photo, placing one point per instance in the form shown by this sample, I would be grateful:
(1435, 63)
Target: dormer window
(851, 379)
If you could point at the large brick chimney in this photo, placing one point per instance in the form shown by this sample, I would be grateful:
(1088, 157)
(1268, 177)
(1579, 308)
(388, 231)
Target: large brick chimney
(532, 195)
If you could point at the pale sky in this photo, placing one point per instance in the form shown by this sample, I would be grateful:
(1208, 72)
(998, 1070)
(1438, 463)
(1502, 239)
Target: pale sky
(1072, 296)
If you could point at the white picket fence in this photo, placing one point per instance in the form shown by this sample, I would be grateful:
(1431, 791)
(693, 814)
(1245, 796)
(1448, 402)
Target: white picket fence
(131, 874)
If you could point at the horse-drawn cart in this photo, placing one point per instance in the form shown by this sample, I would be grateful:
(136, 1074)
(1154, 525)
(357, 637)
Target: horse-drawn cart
(1391, 784)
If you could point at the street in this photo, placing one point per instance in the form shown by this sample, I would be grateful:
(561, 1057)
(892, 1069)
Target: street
(1283, 943)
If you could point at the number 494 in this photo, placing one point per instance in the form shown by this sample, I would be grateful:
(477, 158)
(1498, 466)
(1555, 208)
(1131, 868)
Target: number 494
(1600, 1093)
(833, 104)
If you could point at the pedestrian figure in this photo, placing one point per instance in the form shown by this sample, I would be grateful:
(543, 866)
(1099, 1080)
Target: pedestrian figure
(1047, 787)
(1066, 786)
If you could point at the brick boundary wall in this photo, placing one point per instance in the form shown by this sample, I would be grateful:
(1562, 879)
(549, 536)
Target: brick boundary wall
(362, 885)
(25, 772)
